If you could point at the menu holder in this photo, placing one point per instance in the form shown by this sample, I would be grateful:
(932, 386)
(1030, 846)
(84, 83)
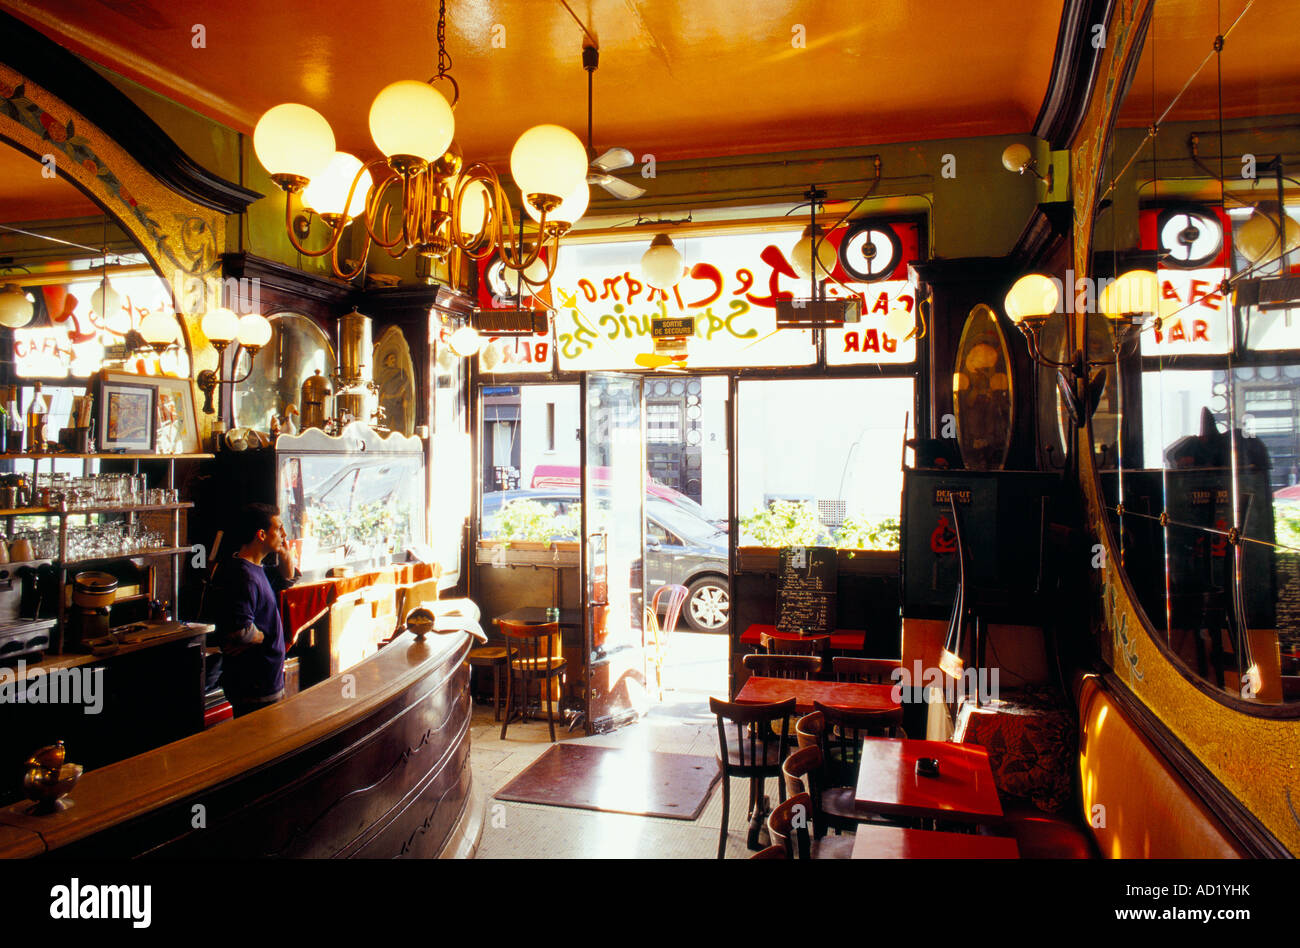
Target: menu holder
(805, 590)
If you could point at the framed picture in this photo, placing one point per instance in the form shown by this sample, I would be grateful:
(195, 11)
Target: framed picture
(126, 416)
(178, 423)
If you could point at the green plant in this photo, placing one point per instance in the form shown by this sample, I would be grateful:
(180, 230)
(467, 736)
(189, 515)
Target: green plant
(861, 533)
(530, 521)
(1287, 524)
(784, 523)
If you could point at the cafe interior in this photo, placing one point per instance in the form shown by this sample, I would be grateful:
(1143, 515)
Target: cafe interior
(681, 451)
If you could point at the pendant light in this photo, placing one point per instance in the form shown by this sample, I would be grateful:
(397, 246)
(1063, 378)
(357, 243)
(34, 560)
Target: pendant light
(662, 264)
(16, 307)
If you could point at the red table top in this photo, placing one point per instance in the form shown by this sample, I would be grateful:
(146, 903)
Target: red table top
(888, 782)
(897, 842)
(837, 694)
(846, 640)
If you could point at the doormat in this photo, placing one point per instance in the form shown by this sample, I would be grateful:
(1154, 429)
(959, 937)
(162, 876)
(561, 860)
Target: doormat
(612, 780)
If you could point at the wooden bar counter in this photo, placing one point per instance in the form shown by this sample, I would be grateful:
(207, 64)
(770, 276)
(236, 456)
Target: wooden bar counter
(372, 763)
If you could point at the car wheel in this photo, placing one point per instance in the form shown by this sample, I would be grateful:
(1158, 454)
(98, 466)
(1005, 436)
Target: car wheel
(708, 605)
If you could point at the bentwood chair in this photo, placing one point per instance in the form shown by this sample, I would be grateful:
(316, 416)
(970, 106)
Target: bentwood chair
(784, 666)
(867, 671)
(749, 745)
(844, 732)
(531, 661)
(788, 826)
(806, 645)
(670, 599)
(832, 807)
(808, 730)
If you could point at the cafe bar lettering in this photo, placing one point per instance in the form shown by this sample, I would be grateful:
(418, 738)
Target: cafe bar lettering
(729, 288)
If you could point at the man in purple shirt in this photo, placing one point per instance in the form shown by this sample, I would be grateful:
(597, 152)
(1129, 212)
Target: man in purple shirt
(248, 623)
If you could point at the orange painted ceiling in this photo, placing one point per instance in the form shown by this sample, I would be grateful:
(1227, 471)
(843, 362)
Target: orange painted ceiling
(27, 195)
(677, 78)
(1260, 61)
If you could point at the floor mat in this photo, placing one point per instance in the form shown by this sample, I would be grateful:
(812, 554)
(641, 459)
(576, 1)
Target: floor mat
(643, 783)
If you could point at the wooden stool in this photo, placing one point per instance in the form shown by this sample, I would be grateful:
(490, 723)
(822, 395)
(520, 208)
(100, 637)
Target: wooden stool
(494, 657)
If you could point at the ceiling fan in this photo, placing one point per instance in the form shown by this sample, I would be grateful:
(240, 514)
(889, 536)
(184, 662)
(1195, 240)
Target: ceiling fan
(614, 158)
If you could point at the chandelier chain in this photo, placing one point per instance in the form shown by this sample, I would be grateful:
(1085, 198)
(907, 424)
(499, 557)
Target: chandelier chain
(444, 59)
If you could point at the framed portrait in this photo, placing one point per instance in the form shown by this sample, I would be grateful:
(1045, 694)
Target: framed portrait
(126, 418)
(178, 423)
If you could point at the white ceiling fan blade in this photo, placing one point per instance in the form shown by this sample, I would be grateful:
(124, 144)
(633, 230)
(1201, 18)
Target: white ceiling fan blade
(623, 190)
(614, 159)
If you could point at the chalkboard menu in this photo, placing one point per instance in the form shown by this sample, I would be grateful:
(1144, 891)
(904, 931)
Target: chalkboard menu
(805, 590)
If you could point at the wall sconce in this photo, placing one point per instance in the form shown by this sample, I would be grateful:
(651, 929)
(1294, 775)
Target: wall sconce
(1019, 159)
(222, 327)
(159, 332)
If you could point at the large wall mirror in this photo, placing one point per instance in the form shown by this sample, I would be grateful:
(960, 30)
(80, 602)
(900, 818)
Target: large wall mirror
(1199, 461)
(298, 349)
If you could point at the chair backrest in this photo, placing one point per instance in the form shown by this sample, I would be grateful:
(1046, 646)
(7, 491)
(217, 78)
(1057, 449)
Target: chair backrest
(651, 634)
(805, 645)
(808, 730)
(754, 724)
(670, 598)
(845, 731)
(869, 671)
(530, 646)
(784, 666)
(788, 824)
(803, 773)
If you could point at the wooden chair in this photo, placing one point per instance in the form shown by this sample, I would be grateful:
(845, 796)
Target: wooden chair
(808, 730)
(669, 598)
(844, 733)
(784, 666)
(868, 671)
(531, 660)
(788, 826)
(805, 645)
(832, 807)
(753, 751)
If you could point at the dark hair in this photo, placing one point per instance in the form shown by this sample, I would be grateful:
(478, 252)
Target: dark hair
(252, 518)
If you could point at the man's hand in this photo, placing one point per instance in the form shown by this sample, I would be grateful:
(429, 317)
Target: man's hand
(243, 640)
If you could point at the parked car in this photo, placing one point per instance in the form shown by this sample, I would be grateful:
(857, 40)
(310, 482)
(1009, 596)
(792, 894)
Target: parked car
(568, 476)
(680, 548)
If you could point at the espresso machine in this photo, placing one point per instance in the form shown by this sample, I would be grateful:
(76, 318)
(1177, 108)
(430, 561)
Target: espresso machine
(92, 594)
(355, 396)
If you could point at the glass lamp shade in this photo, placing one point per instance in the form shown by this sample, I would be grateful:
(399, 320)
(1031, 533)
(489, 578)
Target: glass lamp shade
(106, 301)
(159, 329)
(1033, 296)
(1016, 158)
(220, 325)
(801, 256)
(294, 140)
(899, 323)
(465, 341)
(15, 308)
(570, 209)
(472, 213)
(254, 331)
(328, 191)
(1257, 238)
(661, 265)
(411, 118)
(1135, 292)
(548, 159)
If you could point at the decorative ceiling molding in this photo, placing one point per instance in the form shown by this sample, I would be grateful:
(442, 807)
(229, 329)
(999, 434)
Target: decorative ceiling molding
(29, 52)
(1074, 70)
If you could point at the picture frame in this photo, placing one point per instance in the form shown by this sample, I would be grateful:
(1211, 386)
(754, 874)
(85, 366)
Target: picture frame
(126, 412)
(177, 421)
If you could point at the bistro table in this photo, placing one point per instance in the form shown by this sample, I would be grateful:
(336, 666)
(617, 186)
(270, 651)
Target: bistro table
(836, 694)
(889, 784)
(843, 640)
(898, 842)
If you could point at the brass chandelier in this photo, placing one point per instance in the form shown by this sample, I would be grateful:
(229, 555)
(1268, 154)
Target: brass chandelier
(442, 204)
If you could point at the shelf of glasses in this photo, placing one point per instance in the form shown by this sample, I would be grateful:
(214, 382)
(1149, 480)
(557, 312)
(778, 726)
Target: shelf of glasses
(156, 551)
(135, 456)
(54, 511)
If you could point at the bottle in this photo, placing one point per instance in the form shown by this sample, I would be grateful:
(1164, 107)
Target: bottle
(4, 430)
(37, 414)
(15, 427)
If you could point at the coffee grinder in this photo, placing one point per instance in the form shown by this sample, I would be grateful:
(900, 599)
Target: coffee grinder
(92, 594)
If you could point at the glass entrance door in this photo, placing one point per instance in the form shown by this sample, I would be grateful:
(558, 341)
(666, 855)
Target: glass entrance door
(612, 568)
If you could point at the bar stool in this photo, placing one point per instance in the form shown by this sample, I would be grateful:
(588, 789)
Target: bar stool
(494, 657)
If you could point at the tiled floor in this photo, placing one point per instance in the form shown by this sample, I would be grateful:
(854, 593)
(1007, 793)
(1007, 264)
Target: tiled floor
(696, 668)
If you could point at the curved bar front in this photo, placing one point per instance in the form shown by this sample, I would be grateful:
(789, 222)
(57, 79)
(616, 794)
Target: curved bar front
(371, 763)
